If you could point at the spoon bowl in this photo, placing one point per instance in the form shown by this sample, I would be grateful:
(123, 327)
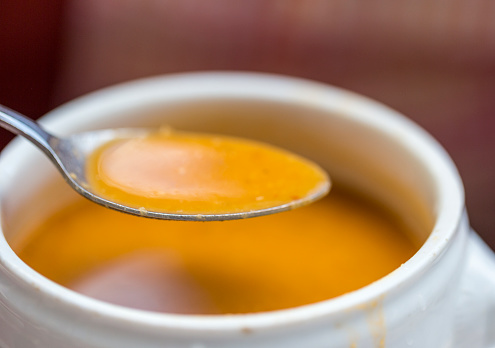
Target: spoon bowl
(70, 155)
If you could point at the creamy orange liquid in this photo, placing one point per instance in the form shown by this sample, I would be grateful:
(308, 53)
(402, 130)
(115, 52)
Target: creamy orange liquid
(314, 253)
(191, 173)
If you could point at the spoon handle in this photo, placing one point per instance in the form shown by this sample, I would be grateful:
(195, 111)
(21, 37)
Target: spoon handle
(21, 125)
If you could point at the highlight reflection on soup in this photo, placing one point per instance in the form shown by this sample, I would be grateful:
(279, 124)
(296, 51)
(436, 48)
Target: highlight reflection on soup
(326, 249)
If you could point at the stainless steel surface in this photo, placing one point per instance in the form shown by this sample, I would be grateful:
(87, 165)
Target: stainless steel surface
(69, 156)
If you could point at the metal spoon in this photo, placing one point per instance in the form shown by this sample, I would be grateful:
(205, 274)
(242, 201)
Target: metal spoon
(69, 156)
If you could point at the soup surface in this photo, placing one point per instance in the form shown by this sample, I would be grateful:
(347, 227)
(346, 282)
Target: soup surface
(314, 253)
(193, 173)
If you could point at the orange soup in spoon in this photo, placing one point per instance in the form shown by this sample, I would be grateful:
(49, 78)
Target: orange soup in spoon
(194, 173)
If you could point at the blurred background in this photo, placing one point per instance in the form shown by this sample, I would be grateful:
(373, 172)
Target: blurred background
(434, 61)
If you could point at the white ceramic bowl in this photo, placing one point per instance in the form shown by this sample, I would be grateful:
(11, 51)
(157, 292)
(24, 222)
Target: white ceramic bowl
(444, 296)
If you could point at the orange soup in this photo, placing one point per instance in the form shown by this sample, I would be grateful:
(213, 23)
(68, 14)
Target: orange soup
(190, 173)
(336, 245)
